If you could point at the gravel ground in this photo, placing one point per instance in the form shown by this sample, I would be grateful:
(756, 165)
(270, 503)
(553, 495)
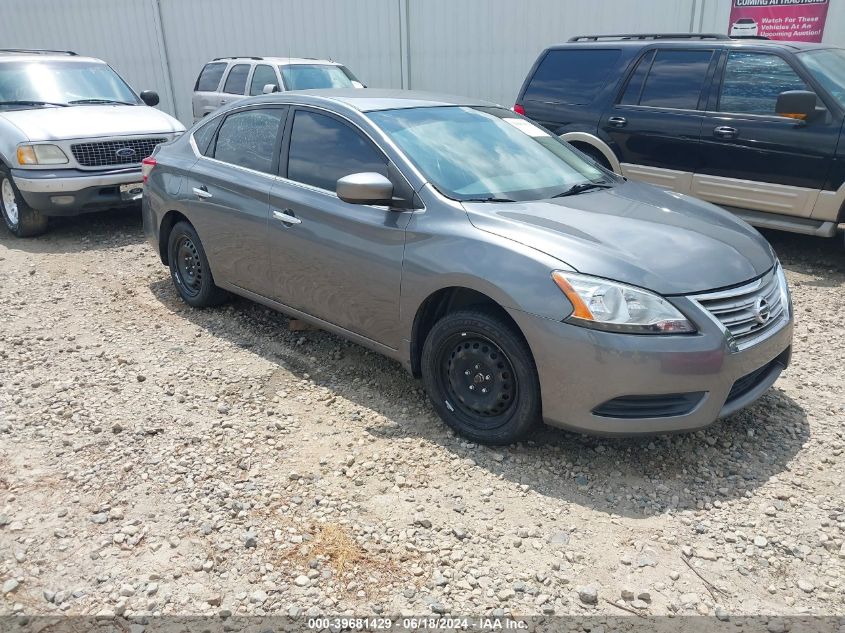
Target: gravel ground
(157, 459)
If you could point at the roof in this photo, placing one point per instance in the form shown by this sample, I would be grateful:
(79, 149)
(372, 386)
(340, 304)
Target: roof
(370, 99)
(687, 42)
(278, 60)
(9, 56)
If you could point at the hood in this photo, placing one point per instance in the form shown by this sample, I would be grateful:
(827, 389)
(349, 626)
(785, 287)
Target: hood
(87, 121)
(637, 234)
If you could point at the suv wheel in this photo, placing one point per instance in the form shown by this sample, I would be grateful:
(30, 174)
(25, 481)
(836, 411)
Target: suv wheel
(189, 268)
(20, 218)
(480, 376)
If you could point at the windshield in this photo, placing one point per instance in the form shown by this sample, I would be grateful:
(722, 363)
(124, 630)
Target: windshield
(828, 68)
(56, 82)
(314, 76)
(486, 153)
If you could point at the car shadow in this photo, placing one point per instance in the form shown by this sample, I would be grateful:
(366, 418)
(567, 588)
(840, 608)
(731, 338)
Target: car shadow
(808, 254)
(101, 230)
(633, 477)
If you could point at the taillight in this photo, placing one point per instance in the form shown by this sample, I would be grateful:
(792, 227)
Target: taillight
(519, 109)
(147, 166)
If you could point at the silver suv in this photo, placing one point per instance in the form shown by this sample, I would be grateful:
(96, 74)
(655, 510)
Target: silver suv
(72, 137)
(227, 79)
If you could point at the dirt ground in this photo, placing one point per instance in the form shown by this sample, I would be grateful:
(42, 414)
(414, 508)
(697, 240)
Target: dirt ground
(159, 459)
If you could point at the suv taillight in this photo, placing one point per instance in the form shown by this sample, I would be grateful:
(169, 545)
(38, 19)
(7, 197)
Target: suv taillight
(519, 109)
(147, 166)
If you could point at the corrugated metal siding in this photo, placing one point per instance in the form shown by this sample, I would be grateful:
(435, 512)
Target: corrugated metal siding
(478, 48)
(484, 48)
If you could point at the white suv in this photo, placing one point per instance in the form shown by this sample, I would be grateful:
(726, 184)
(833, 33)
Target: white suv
(227, 79)
(72, 137)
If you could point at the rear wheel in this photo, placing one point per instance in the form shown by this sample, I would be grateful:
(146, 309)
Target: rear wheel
(595, 154)
(21, 219)
(480, 376)
(189, 268)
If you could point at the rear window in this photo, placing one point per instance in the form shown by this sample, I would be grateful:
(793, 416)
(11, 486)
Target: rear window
(572, 76)
(236, 81)
(210, 76)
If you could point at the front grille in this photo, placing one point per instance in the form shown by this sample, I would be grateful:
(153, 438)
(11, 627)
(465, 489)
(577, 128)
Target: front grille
(660, 406)
(749, 313)
(104, 153)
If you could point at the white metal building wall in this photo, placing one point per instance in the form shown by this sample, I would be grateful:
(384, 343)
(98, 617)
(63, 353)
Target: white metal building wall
(479, 48)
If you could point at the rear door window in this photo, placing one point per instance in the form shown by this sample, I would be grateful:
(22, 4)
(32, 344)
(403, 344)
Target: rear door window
(675, 80)
(324, 149)
(248, 138)
(236, 81)
(753, 81)
(262, 76)
(572, 76)
(210, 76)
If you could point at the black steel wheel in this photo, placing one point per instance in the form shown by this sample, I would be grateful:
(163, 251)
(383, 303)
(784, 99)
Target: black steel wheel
(480, 376)
(189, 268)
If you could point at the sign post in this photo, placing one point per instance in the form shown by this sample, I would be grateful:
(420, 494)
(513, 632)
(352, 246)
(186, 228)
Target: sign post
(791, 20)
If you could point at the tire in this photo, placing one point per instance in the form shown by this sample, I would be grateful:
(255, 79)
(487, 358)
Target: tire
(21, 219)
(189, 268)
(471, 351)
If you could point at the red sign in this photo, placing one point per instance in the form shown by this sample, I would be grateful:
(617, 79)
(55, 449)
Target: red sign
(793, 20)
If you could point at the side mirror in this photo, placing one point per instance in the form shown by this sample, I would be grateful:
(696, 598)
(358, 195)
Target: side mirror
(365, 188)
(269, 89)
(150, 97)
(796, 104)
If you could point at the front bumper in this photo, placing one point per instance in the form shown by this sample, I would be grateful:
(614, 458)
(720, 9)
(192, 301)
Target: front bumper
(74, 191)
(581, 370)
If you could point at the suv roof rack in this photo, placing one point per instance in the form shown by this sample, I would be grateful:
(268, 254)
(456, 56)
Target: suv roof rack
(37, 51)
(750, 37)
(649, 36)
(217, 59)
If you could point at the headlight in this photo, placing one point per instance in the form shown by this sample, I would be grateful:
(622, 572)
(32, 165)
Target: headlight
(41, 155)
(609, 305)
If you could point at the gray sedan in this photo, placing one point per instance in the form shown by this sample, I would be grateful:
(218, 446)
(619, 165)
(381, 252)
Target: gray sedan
(520, 280)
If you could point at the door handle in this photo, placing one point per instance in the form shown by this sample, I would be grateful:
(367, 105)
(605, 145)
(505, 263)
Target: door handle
(223, 101)
(286, 217)
(202, 192)
(724, 131)
(618, 121)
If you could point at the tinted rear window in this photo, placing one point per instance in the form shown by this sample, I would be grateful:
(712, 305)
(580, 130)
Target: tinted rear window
(572, 76)
(236, 81)
(210, 76)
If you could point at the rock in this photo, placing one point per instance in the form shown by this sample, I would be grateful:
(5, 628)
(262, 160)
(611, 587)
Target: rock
(645, 596)
(127, 590)
(647, 558)
(559, 538)
(760, 541)
(437, 607)
(10, 585)
(250, 539)
(258, 597)
(215, 600)
(505, 594)
(222, 408)
(302, 581)
(722, 613)
(588, 594)
(639, 604)
(806, 586)
(100, 518)
(705, 554)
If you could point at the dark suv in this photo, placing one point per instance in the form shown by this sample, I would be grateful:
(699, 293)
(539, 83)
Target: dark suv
(753, 125)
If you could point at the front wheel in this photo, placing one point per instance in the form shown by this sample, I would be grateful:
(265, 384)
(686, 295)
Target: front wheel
(189, 268)
(480, 376)
(21, 219)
